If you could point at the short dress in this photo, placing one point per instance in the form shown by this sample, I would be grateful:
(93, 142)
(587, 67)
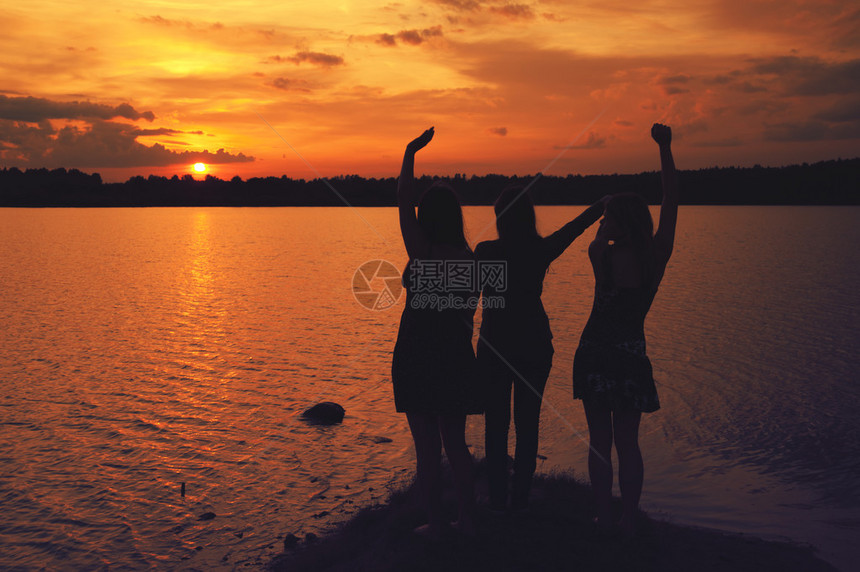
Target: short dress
(433, 368)
(611, 367)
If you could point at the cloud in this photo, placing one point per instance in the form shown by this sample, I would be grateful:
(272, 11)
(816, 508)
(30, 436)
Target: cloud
(830, 24)
(413, 37)
(811, 75)
(35, 109)
(672, 85)
(727, 142)
(416, 37)
(810, 131)
(29, 138)
(593, 141)
(674, 79)
(846, 110)
(514, 11)
(314, 58)
(164, 131)
(161, 21)
(674, 90)
(501, 131)
(747, 87)
(387, 40)
(460, 5)
(288, 84)
(168, 23)
(719, 80)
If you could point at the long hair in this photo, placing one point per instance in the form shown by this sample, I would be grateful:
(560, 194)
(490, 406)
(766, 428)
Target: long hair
(631, 213)
(515, 215)
(441, 217)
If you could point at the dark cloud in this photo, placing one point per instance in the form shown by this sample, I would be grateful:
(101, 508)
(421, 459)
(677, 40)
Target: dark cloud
(847, 110)
(833, 23)
(314, 58)
(810, 131)
(674, 79)
(460, 5)
(811, 75)
(728, 142)
(288, 84)
(514, 11)
(101, 143)
(553, 18)
(387, 40)
(672, 84)
(501, 131)
(683, 129)
(593, 141)
(767, 106)
(718, 80)
(806, 131)
(413, 37)
(410, 37)
(747, 87)
(164, 131)
(674, 90)
(35, 109)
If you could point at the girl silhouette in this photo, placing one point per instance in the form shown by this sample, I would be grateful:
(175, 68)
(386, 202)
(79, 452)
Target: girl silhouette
(611, 372)
(433, 367)
(515, 346)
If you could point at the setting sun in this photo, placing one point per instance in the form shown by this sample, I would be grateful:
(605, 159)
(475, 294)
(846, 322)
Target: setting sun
(199, 167)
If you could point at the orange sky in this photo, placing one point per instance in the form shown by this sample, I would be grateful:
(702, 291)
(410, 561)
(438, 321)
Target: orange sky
(127, 88)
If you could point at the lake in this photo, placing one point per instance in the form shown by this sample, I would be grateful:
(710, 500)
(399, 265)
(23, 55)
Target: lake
(145, 348)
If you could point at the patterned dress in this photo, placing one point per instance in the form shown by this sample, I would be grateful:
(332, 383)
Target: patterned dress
(611, 367)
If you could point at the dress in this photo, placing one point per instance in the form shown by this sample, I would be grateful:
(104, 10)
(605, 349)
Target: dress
(610, 366)
(433, 367)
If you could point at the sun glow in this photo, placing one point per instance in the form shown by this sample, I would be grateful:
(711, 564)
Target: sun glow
(199, 167)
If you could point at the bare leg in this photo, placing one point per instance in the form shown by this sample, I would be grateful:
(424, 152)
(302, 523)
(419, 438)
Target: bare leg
(599, 420)
(453, 429)
(428, 451)
(630, 467)
(497, 421)
(528, 394)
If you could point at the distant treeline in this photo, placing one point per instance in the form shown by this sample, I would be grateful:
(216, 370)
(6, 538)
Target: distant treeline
(825, 183)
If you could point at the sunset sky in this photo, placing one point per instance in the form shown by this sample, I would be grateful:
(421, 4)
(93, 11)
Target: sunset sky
(127, 88)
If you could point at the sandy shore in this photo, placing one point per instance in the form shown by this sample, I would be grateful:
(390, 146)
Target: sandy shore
(556, 533)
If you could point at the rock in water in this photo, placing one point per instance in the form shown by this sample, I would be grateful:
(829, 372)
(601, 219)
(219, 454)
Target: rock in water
(290, 540)
(325, 413)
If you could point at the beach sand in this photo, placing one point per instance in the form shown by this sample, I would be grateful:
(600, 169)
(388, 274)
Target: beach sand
(556, 533)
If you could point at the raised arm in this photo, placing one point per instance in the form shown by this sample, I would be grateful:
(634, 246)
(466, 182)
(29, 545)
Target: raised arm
(558, 241)
(416, 242)
(664, 238)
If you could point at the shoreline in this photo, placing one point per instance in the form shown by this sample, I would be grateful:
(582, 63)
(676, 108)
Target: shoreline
(556, 533)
